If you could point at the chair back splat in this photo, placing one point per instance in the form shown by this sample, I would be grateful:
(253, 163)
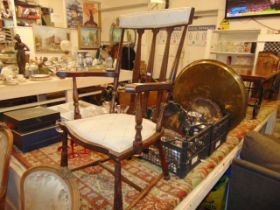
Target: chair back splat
(122, 135)
(126, 22)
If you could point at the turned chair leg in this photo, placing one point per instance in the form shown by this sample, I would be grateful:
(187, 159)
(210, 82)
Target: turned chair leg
(2, 203)
(118, 205)
(163, 161)
(64, 152)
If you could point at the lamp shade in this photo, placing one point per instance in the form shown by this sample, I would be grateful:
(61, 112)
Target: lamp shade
(65, 45)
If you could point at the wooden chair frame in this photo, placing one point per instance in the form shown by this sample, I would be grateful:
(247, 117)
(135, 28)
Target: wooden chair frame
(4, 182)
(163, 86)
(64, 174)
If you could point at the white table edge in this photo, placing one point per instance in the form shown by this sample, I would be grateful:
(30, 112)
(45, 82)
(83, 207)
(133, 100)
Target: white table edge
(196, 196)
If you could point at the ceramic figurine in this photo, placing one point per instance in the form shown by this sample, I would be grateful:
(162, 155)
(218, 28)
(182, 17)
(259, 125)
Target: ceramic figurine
(21, 48)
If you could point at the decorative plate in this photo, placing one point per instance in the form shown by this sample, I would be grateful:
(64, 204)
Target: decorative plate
(40, 77)
(212, 80)
(209, 109)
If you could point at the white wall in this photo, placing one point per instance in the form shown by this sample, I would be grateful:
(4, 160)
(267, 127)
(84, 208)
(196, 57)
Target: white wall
(208, 11)
(204, 5)
(58, 7)
(110, 12)
(200, 5)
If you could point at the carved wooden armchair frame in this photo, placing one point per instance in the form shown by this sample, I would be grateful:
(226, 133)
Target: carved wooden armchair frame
(6, 152)
(139, 91)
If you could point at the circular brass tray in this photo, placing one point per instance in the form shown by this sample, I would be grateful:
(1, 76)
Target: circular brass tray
(213, 80)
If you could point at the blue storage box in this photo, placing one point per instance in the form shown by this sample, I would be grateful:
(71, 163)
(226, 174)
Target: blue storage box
(27, 141)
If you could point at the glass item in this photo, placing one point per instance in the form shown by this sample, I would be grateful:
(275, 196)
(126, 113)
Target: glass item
(88, 60)
(80, 60)
(106, 105)
(109, 62)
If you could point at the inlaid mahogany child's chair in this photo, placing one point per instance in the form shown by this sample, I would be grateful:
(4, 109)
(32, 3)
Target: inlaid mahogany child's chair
(122, 135)
(6, 145)
(47, 188)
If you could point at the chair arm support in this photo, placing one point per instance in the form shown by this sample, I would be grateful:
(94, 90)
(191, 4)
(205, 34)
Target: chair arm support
(64, 74)
(160, 118)
(149, 86)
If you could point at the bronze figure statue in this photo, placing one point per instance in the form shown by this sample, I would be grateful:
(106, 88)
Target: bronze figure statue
(21, 48)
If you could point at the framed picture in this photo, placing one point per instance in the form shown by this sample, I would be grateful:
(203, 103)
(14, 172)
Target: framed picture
(89, 38)
(83, 13)
(116, 35)
(47, 39)
(129, 35)
(74, 13)
(91, 13)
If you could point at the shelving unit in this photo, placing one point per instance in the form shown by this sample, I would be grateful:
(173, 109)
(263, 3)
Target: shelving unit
(237, 48)
(232, 53)
(27, 18)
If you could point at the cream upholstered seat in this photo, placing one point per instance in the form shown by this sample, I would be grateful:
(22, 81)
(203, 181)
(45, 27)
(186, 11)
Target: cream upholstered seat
(6, 144)
(118, 139)
(48, 188)
(120, 136)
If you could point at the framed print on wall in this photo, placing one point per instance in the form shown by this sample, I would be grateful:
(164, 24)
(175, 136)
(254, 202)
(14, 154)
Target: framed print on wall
(83, 13)
(91, 13)
(74, 13)
(48, 39)
(89, 38)
(115, 35)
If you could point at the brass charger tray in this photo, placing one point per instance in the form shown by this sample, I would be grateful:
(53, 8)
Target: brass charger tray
(212, 80)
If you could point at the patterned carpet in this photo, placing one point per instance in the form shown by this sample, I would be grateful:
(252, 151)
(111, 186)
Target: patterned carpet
(96, 184)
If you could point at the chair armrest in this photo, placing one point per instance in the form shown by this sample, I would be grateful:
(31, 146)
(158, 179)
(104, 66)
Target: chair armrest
(253, 187)
(64, 74)
(149, 86)
(254, 168)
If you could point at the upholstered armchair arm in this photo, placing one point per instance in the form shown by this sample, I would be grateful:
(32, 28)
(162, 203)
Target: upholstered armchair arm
(64, 74)
(149, 86)
(253, 186)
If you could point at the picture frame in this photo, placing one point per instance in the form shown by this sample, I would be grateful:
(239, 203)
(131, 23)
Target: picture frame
(129, 35)
(91, 13)
(88, 38)
(47, 39)
(74, 13)
(116, 35)
(81, 13)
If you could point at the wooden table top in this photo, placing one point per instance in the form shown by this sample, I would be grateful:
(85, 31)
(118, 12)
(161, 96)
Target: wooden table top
(258, 76)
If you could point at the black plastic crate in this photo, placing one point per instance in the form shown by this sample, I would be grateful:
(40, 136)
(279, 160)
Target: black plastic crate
(182, 155)
(219, 132)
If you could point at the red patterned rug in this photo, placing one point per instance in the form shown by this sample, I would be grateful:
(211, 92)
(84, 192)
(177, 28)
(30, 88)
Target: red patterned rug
(96, 184)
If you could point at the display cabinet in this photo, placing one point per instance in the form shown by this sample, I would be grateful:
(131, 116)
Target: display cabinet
(237, 48)
(7, 53)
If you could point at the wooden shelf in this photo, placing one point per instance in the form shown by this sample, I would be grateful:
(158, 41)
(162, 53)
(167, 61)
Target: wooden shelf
(26, 18)
(232, 53)
(24, 4)
(238, 31)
